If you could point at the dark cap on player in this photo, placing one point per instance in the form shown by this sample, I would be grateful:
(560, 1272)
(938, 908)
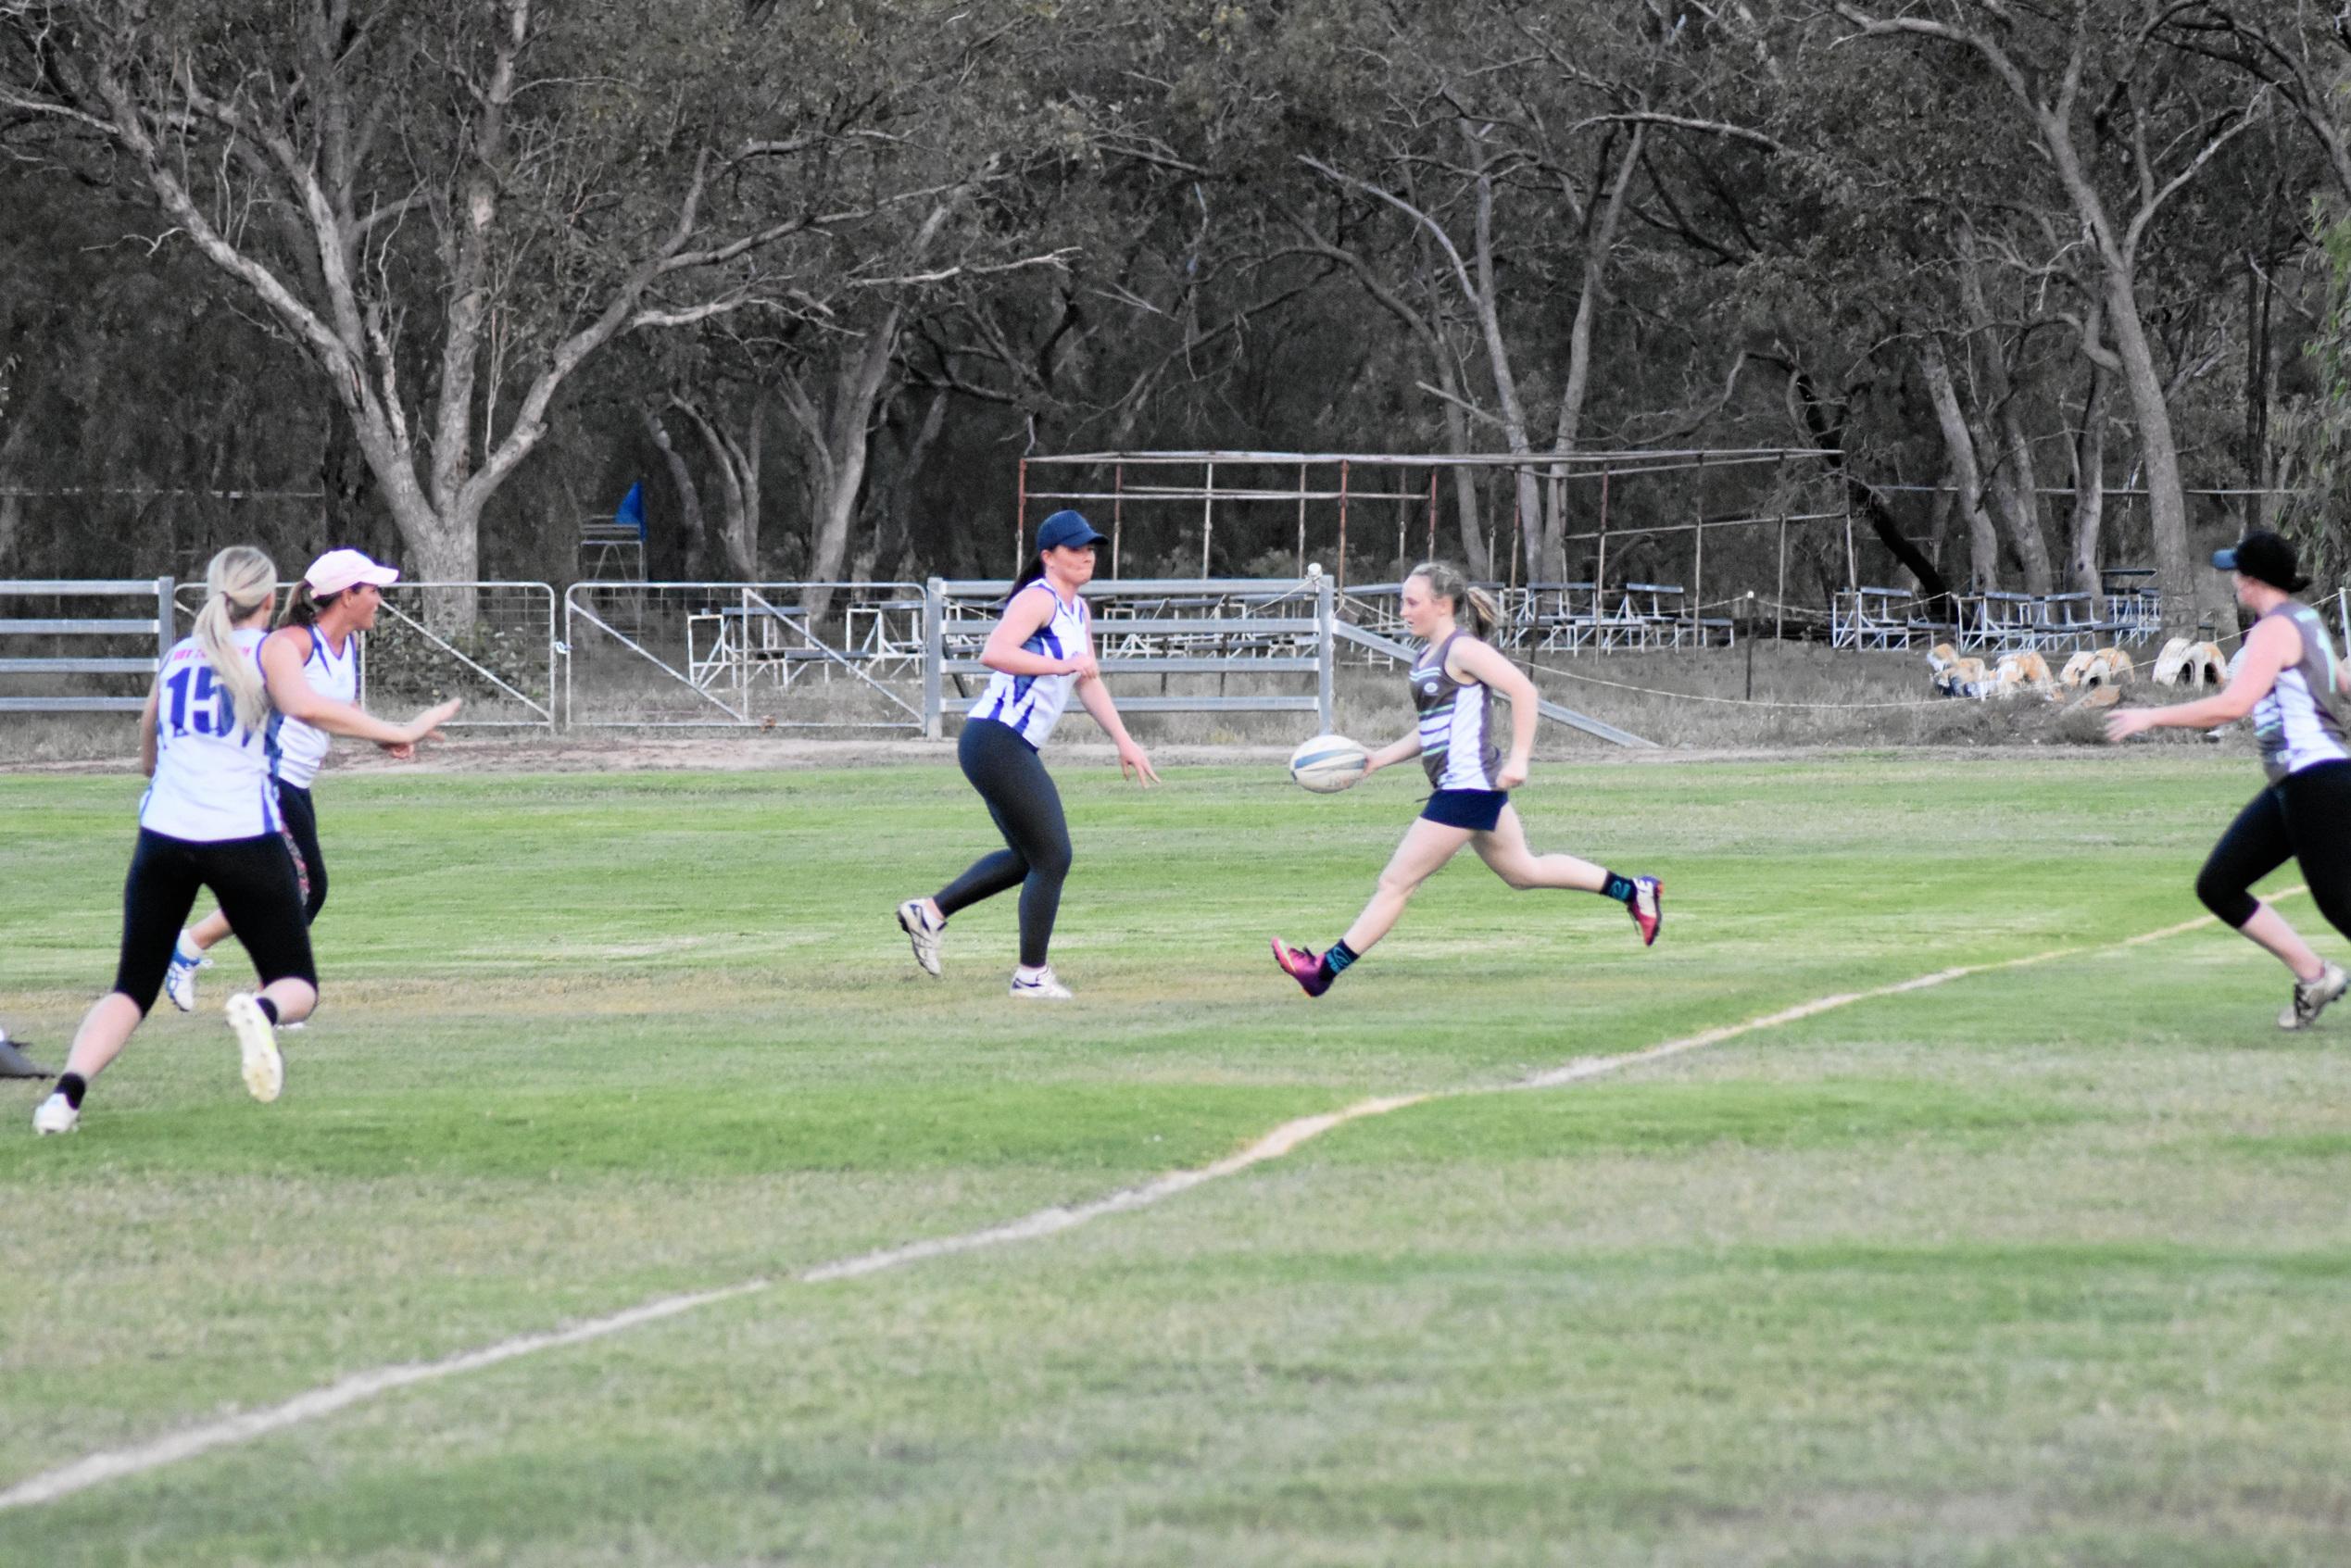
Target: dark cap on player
(1066, 531)
(2266, 557)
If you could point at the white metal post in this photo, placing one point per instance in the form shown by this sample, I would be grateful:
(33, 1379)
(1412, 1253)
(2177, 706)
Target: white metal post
(1326, 652)
(933, 655)
(1207, 515)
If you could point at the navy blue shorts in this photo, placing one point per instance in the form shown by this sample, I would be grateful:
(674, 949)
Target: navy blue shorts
(1477, 808)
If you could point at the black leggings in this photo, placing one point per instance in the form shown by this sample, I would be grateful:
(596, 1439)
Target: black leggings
(253, 878)
(2305, 816)
(302, 838)
(1020, 795)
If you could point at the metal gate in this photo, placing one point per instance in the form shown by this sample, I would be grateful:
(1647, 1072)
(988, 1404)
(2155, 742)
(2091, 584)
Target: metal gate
(502, 663)
(744, 655)
(53, 645)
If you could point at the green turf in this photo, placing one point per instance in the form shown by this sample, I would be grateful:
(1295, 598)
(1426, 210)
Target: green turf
(2047, 1265)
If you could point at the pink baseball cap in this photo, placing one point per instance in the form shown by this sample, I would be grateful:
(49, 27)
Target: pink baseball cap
(338, 569)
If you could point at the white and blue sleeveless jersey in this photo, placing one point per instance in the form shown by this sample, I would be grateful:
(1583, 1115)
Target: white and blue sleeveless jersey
(1033, 704)
(211, 778)
(296, 748)
(2293, 722)
(1458, 748)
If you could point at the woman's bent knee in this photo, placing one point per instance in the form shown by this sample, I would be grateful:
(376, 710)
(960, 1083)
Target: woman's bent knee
(2234, 903)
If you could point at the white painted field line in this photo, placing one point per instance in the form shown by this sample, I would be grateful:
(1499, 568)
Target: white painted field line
(117, 1463)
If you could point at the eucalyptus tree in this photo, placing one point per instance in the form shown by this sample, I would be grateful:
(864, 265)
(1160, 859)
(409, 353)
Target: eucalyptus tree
(449, 208)
(2122, 126)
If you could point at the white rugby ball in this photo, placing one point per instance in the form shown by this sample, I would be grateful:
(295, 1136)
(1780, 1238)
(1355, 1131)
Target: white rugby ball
(1328, 763)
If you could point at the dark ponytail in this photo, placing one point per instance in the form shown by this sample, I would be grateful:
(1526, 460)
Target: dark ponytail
(1035, 569)
(301, 608)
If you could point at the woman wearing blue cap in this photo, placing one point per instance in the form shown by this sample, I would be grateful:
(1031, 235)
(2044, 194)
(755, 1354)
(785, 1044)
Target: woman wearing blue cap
(1041, 652)
(2284, 678)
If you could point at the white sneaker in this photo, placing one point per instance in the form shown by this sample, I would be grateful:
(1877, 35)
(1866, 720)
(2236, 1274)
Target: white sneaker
(914, 919)
(179, 981)
(1041, 984)
(258, 1039)
(55, 1114)
(2312, 1000)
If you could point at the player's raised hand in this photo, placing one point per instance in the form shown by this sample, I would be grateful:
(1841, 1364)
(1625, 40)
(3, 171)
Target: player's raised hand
(427, 724)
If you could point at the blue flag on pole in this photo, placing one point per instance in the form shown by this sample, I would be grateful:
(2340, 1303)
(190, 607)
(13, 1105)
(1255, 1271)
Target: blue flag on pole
(632, 512)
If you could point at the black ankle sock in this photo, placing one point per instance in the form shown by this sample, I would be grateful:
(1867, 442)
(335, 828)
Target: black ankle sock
(73, 1086)
(1336, 958)
(268, 1008)
(1619, 888)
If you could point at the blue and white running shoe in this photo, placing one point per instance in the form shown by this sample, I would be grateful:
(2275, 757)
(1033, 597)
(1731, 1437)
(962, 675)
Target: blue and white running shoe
(179, 981)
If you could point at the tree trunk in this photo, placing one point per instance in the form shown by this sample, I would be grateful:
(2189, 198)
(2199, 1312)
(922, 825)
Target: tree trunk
(2159, 447)
(2159, 454)
(887, 549)
(1959, 447)
(2259, 383)
(2016, 490)
(1478, 551)
(845, 433)
(1514, 413)
(689, 499)
(11, 504)
(1865, 502)
(1599, 238)
(444, 550)
(2089, 491)
(737, 466)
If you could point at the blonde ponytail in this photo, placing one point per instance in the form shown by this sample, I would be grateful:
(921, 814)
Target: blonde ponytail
(1473, 608)
(239, 581)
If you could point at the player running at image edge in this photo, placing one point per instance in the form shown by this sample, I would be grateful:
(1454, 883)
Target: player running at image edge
(211, 819)
(1453, 683)
(1042, 653)
(2285, 674)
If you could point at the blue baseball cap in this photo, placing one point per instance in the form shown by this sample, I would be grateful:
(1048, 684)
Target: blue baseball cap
(1066, 531)
(2266, 557)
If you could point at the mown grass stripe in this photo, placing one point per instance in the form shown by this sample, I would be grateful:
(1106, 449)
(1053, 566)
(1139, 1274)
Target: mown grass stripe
(99, 1468)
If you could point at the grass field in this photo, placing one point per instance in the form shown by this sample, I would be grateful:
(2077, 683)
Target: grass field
(2046, 1266)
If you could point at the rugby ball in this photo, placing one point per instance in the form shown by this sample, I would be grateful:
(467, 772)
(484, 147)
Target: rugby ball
(1328, 763)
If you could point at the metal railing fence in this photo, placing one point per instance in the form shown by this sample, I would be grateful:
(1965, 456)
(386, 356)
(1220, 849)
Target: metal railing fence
(51, 642)
(1167, 627)
(492, 643)
(846, 656)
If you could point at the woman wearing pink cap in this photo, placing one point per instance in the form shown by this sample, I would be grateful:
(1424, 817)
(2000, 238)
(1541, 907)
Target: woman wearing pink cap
(211, 819)
(310, 660)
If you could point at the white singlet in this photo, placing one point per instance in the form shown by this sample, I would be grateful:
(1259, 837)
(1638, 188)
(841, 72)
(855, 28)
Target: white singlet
(1458, 749)
(211, 774)
(296, 748)
(2293, 722)
(1033, 704)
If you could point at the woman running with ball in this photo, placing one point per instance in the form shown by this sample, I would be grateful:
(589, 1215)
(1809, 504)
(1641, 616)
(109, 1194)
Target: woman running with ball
(211, 819)
(316, 643)
(1453, 684)
(2283, 679)
(1042, 653)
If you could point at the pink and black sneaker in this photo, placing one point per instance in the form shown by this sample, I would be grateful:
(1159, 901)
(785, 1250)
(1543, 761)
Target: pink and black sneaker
(1648, 908)
(1303, 967)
